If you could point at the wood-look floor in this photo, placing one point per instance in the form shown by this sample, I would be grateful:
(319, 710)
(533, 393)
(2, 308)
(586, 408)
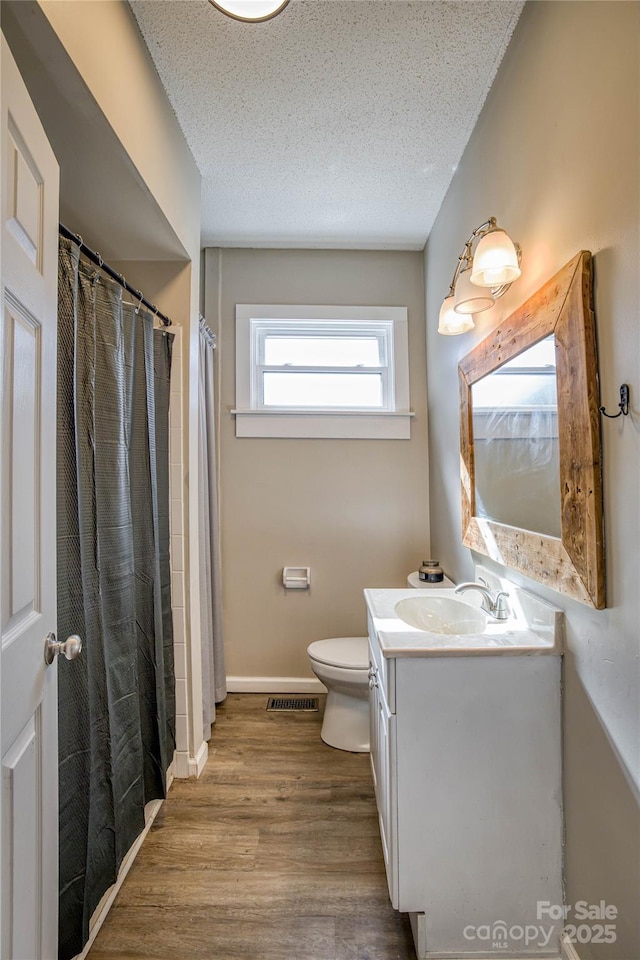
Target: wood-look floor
(274, 854)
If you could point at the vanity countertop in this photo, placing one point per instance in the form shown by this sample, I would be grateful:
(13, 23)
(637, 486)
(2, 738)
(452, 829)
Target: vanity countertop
(534, 627)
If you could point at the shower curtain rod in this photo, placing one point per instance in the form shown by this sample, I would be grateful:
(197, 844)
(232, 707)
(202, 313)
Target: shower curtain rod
(118, 277)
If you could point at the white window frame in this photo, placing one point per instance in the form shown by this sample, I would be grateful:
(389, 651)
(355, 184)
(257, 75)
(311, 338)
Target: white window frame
(253, 419)
(381, 330)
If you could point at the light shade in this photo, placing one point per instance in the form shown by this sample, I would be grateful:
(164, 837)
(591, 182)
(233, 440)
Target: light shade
(469, 298)
(451, 323)
(495, 260)
(250, 11)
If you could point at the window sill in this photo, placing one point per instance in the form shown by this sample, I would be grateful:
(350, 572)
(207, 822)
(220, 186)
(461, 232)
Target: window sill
(327, 425)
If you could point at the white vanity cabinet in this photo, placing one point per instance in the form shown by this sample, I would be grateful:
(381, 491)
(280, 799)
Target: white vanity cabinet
(382, 751)
(466, 761)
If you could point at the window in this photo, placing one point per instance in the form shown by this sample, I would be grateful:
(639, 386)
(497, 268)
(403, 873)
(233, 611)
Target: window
(528, 382)
(306, 365)
(304, 371)
(519, 400)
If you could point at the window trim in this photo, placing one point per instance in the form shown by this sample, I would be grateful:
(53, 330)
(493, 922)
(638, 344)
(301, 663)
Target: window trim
(252, 420)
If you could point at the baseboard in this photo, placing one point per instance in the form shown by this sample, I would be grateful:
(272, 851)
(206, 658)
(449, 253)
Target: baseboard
(100, 913)
(187, 767)
(275, 685)
(181, 765)
(199, 762)
(567, 948)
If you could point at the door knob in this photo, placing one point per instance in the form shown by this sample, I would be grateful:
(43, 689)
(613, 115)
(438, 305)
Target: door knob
(71, 647)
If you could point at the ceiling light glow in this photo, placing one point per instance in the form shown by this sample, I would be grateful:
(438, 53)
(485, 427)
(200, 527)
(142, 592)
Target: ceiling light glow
(250, 11)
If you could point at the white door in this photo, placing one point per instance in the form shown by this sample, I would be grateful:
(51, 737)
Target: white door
(28, 732)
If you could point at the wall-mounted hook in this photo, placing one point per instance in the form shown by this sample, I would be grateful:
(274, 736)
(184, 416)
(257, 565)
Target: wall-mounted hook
(624, 404)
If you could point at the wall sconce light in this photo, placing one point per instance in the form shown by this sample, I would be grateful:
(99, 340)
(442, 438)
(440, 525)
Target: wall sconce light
(480, 278)
(250, 11)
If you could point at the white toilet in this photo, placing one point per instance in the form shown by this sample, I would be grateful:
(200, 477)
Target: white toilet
(342, 664)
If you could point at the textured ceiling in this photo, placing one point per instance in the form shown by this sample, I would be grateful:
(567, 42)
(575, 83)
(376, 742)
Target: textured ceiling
(337, 124)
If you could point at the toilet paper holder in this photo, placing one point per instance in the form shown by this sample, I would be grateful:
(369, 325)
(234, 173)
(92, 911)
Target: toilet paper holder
(296, 578)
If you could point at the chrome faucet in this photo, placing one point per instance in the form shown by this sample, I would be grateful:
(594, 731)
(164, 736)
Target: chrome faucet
(492, 603)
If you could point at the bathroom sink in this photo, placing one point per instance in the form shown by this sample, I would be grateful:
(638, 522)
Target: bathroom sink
(441, 615)
(438, 622)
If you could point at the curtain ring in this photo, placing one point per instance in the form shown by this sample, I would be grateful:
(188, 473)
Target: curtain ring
(137, 310)
(99, 259)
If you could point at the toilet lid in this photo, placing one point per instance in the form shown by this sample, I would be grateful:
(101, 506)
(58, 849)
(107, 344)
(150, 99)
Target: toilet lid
(352, 653)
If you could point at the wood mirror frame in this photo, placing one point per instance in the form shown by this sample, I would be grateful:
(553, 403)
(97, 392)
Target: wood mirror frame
(573, 564)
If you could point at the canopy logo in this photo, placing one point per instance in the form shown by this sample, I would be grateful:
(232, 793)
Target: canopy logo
(500, 935)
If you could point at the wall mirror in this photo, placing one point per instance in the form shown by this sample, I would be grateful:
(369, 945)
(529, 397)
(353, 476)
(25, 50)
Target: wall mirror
(530, 440)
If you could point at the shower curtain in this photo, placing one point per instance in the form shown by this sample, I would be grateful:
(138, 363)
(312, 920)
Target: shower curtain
(214, 682)
(116, 702)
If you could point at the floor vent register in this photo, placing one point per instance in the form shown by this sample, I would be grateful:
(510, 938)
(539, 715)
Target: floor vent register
(305, 704)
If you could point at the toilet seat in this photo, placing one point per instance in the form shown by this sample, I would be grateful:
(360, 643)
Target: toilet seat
(348, 653)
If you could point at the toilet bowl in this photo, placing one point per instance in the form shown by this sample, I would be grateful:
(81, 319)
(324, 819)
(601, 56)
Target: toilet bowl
(342, 664)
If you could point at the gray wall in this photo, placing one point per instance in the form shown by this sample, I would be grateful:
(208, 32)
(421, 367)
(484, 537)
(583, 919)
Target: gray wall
(555, 157)
(355, 511)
